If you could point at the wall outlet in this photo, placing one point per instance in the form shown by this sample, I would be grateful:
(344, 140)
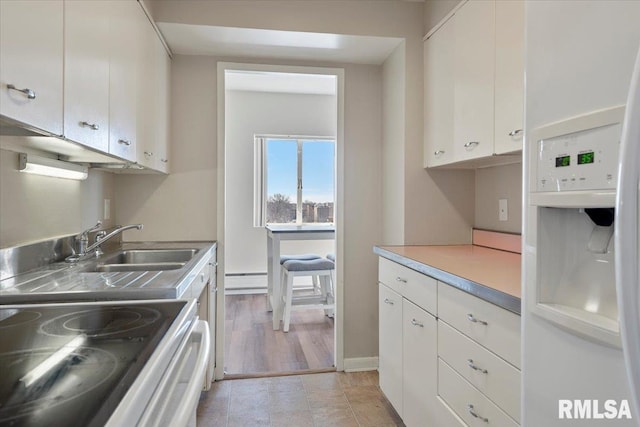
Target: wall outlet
(503, 210)
(107, 210)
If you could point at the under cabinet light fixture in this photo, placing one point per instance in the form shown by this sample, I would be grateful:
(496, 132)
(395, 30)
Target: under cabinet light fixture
(51, 167)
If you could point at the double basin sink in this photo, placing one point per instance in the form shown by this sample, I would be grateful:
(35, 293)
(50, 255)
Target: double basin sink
(143, 260)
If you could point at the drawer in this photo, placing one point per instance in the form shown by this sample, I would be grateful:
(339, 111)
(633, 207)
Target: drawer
(447, 417)
(494, 377)
(466, 400)
(200, 279)
(416, 287)
(489, 325)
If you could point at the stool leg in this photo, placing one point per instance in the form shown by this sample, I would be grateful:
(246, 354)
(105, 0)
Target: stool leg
(288, 292)
(316, 284)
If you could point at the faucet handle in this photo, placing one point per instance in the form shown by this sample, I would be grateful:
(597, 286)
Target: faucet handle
(86, 232)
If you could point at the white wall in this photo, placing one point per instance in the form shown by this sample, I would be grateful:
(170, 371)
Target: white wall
(492, 184)
(36, 207)
(181, 205)
(248, 114)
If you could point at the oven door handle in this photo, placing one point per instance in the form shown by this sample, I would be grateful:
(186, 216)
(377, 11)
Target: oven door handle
(192, 394)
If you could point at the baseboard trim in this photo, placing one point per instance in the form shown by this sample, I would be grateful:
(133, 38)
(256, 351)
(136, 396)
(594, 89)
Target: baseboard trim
(359, 364)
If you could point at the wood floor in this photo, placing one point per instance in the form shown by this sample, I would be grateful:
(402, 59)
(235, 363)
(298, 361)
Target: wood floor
(253, 347)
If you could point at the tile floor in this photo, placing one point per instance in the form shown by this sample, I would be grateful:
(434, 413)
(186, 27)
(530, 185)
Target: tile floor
(316, 400)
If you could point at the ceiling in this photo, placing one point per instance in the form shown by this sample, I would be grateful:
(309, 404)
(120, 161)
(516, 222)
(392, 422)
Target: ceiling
(189, 39)
(259, 81)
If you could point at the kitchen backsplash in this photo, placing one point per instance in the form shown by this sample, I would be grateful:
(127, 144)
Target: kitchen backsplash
(493, 184)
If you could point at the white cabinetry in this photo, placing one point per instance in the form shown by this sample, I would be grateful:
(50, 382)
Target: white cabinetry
(438, 97)
(390, 341)
(509, 91)
(153, 95)
(86, 74)
(473, 59)
(122, 78)
(419, 362)
(474, 92)
(408, 343)
(31, 62)
(439, 369)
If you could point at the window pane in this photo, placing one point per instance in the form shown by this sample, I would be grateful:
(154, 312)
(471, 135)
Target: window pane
(282, 180)
(318, 172)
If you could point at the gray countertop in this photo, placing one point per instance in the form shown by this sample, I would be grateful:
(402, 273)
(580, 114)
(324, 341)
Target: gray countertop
(71, 282)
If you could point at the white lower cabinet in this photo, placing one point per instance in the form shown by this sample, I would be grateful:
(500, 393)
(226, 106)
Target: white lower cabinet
(390, 339)
(458, 366)
(419, 361)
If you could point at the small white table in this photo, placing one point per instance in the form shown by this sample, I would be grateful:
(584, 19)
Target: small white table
(276, 234)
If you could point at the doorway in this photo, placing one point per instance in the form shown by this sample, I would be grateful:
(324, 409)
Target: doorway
(281, 164)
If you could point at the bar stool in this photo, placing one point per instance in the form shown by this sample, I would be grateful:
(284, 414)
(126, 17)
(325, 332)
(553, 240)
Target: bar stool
(303, 257)
(323, 269)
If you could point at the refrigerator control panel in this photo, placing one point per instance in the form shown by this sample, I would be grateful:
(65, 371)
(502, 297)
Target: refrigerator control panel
(583, 160)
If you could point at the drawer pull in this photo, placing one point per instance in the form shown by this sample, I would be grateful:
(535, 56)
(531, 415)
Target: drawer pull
(388, 301)
(414, 322)
(124, 141)
(438, 153)
(476, 368)
(474, 320)
(515, 132)
(473, 413)
(30, 93)
(93, 126)
(400, 279)
(471, 145)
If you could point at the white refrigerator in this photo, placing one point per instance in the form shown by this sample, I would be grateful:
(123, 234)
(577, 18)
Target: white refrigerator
(580, 310)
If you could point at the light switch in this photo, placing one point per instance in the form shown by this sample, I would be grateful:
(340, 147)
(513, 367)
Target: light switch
(107, 209)
(503, 210)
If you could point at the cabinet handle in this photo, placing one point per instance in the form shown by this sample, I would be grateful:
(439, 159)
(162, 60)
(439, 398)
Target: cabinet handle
(471, 144)
(438, 153)
(515, 132)
(476, 368)
(148, 153)
(202, 277)
(474, 320)
(124, 141)
(93, 126)
(414, 322)
(164, 160)
(388, 301)
(473, 413)
(400, 279)
(30, 94)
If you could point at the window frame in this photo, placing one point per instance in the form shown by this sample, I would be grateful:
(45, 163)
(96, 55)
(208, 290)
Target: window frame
(261, 178)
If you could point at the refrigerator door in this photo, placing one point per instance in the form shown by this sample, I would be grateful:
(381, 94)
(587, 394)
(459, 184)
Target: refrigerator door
(627, 237)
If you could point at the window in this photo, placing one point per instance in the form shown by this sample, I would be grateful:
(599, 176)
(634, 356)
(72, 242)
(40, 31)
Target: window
(294, 180)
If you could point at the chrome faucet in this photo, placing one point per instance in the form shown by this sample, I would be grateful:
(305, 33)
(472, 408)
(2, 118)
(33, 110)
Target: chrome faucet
(101, 238)
(82, 240)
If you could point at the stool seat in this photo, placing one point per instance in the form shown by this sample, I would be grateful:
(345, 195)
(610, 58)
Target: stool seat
(302, 257)
(331, 257)
(309, 265)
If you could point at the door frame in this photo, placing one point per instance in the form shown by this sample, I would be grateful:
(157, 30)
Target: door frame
(339, 208)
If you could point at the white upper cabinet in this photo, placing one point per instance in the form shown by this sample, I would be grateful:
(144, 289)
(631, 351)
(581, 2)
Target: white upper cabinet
(438, 97)
(473, 54)
(474, 85)
(162, 103)
(86, 76)
(509, 90)
(31, 63)
(146, 92)
(122, 78)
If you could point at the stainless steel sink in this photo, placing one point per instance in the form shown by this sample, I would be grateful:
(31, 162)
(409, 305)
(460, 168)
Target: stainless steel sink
(157, 266)
(151, 256)
(144, 260)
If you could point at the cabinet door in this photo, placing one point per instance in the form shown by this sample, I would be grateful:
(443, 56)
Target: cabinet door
(146, 93)
(162, 120)
(420, 364)
(390, 345)
(473, 76)
(86, 74)
(31, 54)
(509, 82)
(438, 96)
(122, 79)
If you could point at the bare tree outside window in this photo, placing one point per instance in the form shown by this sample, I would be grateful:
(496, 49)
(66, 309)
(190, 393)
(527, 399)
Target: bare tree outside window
(280, 209)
